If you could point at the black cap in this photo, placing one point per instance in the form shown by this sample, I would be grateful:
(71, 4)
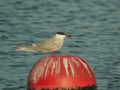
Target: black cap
(61, 33)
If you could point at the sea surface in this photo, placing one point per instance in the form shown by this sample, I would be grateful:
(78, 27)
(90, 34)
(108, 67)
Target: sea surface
(93, 24)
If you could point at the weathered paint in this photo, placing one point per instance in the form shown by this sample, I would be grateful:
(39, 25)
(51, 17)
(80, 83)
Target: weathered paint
(62, 70)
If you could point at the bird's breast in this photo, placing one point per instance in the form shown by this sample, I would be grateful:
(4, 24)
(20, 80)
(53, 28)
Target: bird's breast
(59, 43)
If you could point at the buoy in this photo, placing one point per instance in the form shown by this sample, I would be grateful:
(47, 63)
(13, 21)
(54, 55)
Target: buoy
(61, 72)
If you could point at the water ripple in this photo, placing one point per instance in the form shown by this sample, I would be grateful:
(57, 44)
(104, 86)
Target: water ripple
(94, 26)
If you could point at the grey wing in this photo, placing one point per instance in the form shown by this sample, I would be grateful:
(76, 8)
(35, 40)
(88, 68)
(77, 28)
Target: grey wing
(47, 44)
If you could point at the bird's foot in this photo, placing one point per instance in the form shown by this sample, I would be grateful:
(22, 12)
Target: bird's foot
(52, 54)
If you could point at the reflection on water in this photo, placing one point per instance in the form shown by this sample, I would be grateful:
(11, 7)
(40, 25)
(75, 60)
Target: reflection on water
(94, 26)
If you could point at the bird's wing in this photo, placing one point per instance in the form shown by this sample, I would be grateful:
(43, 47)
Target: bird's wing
(47, 44)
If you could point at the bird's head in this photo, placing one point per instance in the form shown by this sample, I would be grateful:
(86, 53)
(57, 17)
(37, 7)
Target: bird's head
(62, 35)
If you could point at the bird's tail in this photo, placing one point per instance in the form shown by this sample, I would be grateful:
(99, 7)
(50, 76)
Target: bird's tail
(25, 48)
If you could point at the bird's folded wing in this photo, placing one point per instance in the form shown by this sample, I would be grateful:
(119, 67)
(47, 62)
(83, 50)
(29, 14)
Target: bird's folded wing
(48, 44)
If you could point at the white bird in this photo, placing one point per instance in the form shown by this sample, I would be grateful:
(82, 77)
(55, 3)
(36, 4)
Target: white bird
(51, 45)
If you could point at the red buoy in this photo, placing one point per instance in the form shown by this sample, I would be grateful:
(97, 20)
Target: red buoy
(61, 72)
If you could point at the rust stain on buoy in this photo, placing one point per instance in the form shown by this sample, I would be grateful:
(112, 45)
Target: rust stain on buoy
(61, 71)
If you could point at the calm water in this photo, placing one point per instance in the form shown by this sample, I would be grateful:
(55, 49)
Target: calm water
(93, 24)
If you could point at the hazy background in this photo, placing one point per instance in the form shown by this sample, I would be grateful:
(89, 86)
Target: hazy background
(93, 24)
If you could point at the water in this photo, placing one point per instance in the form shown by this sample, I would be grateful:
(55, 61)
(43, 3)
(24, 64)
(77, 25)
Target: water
(93, 24)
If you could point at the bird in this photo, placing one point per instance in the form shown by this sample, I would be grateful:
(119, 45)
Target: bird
(48, 46)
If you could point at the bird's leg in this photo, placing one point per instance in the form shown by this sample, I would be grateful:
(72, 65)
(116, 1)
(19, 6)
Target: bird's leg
(52, 53)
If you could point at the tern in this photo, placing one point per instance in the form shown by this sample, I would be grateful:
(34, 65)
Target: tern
(51, 45)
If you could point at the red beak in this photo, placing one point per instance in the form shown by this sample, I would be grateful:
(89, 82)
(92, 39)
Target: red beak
(68, 35)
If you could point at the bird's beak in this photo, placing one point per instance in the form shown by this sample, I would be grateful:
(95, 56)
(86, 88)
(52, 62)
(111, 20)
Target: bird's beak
(67, 35)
